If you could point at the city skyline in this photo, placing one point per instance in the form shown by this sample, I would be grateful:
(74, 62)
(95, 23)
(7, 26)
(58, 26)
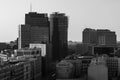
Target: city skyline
(100, 14)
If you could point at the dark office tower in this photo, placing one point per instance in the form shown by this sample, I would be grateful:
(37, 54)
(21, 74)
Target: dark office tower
(24, 36)
(35, 29)
(39, 34)
(36, 19)
(58, 35)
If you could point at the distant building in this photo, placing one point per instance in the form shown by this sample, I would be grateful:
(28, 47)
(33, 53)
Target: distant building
(109, 50)
(13, 44)
(3, 46)
(84, 49)
(35, 30)
(106, 37)
(89, 36)
(99, 37)
(59, 35)
(103, 41)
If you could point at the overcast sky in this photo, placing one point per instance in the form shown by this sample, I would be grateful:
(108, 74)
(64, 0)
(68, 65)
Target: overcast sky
(97, 14)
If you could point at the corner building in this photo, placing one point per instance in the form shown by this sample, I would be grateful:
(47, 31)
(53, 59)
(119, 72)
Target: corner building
(58, 35)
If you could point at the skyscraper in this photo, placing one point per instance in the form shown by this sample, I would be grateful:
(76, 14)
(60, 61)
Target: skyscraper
(24, 36)
(58, 35)
(35, 29)
(36, 19)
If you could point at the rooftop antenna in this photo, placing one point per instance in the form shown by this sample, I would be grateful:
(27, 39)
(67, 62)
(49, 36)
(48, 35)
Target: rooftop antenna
(30, 7)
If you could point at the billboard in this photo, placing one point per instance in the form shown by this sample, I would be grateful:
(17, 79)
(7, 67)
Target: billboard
(41, 46)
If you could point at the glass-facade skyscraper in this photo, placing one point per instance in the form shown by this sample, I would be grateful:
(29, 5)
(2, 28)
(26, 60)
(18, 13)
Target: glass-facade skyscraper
(58, 35)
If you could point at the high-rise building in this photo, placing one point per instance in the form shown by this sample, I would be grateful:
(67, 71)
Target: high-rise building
(35, 30)
(36, 19)
(58, 35)
(99, 37)
(24, 36)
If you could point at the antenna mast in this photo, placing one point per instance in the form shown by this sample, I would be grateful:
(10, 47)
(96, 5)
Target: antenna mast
(30, 7)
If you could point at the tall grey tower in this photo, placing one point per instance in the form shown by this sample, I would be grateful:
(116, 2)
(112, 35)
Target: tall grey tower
(59, 35)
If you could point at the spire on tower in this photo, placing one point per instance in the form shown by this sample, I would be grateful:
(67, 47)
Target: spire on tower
(30, 7)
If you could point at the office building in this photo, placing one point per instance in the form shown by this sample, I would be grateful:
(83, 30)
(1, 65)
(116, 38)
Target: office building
(24, 36)
(27, 70)
(89, 36)
(36, 19)
(5, 73)
(58, 35)
(17, 71)
(40, 35)
(35, 29)
(103, 41)
(99, 37)
(32, 63)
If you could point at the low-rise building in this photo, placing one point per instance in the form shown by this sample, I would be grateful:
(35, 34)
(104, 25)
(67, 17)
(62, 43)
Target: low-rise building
(17, 71)
(27, 70)
(5, 72)
(112, 64)
(98, 69)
